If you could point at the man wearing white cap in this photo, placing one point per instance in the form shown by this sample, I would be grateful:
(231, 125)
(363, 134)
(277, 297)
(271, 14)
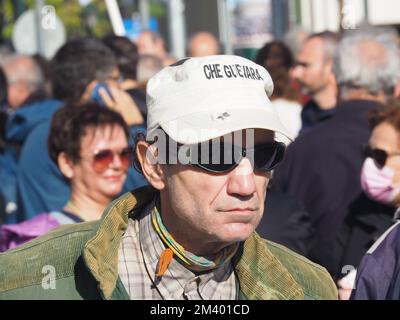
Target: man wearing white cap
(208, 156)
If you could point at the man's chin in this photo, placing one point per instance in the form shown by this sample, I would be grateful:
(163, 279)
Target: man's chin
(239, 232)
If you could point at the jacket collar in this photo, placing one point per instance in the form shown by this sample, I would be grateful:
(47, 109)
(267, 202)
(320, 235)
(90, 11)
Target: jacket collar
(261, 275)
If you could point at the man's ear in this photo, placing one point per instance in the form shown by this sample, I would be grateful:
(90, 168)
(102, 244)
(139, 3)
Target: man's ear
(88, 91)
(66, 165)
(151, 169)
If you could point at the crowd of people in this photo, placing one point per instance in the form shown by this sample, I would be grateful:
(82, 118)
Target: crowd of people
(322, 179)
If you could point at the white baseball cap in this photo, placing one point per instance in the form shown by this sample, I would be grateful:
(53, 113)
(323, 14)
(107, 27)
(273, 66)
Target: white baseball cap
(202, 98)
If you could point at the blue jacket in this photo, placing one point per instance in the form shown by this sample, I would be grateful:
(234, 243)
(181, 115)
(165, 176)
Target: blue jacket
(41, 185)
(19, 125)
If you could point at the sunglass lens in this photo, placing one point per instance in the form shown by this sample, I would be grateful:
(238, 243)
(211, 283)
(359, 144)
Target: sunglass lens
(102, 160)
(226, 157)
(267, 156)
(216, 157)
(378, 155)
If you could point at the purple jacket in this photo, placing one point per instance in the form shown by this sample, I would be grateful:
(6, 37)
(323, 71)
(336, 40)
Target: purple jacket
(14, 235)
(378, 277)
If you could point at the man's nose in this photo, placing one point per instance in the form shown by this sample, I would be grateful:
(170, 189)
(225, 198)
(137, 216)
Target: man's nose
(241, 179)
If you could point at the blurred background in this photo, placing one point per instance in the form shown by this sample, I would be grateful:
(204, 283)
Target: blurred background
(242, 26)
(330, 62)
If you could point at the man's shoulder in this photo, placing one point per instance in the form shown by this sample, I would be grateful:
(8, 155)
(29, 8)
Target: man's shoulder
(57, 251)
(314, 279)
(34, 159)
(26, 119)
(314, 137)
(39, 133)
(308, 151)
(387, 244)
(267, 270)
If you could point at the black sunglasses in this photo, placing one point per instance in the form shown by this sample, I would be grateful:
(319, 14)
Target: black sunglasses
(378, 155)
(264, 157)
(223, 157)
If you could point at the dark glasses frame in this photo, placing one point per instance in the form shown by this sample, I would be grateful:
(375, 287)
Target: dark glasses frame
(263, 157)
(274, 152)
(380, 156)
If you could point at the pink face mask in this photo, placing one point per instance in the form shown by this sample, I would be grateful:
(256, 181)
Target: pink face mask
(377, 183)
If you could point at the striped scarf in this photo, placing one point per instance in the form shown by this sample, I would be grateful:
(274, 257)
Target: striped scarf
(190, 260)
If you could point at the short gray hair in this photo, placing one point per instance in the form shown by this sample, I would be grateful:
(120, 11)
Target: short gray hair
(373, 70)
(330, 41)
(148, 66)
(31, 74)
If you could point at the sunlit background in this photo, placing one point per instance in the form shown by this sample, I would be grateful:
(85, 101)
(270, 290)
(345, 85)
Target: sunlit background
(241, 25)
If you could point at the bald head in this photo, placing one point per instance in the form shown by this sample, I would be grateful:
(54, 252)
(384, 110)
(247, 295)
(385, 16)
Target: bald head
(203, 44)
(151, 43)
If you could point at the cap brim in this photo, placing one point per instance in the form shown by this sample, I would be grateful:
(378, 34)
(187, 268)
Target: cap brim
(203, 126)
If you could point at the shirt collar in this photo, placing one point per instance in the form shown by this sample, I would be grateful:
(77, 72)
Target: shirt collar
(179, 281)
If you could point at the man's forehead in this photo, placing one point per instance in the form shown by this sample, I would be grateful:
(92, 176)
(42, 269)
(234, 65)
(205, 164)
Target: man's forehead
(248, 136)
(311, 48)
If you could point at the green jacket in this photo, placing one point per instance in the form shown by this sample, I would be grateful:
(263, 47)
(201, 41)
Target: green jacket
(80, 262)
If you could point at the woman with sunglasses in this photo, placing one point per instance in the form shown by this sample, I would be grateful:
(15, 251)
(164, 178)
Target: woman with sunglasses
(90, 146)
(378, 275)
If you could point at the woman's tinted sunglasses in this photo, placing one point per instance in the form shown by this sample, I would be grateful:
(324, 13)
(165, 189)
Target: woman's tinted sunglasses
(103, 158)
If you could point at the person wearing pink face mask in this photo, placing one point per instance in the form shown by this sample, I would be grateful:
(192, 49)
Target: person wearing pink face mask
(378, 276)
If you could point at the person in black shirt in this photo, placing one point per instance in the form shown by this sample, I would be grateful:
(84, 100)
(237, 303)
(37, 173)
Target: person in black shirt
(322, 167)
(313, 70)
(127, 56)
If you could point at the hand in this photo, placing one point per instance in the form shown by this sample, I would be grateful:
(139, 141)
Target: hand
(123, 103)
(346, 285)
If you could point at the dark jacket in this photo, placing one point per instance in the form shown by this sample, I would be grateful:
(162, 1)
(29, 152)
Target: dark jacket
(365, 223)
(3, 120)
(312, 114)
(378, 277)
(322, 171)
(139, 97)
(81, 262)
(286, 222)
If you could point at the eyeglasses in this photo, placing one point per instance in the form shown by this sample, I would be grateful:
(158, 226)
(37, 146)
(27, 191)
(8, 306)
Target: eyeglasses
(378, 155)
(264, 157)
(103, 158)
